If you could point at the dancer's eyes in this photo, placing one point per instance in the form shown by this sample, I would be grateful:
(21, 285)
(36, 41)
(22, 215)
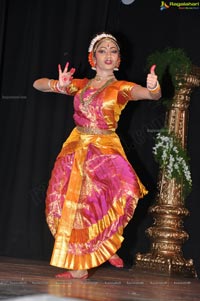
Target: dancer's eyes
(113, 51)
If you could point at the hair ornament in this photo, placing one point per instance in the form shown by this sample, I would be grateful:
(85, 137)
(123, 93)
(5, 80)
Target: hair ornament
(98, 37)
(91, 60)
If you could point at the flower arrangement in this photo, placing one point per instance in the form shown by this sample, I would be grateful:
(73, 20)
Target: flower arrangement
(173, 158)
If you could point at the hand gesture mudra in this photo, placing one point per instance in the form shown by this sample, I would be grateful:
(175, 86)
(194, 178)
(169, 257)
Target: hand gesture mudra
(65, 76)
(152, 79)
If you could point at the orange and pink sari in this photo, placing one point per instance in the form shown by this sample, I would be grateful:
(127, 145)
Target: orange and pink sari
(93, 190)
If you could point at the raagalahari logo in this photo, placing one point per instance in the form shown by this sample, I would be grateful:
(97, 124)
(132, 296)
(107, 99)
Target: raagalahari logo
(179, 5)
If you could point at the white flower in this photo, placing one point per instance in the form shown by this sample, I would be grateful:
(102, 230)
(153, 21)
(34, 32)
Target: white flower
(171, 156)
(98, 38)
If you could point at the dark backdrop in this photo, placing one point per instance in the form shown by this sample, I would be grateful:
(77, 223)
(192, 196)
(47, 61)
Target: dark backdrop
(34, 37)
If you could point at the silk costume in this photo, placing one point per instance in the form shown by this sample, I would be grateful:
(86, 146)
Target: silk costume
(93, 190)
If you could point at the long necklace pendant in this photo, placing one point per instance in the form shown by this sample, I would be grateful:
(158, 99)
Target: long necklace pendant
(90, 98)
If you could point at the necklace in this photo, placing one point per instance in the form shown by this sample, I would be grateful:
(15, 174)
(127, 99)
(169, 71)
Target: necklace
(90, 99)
(99, 78)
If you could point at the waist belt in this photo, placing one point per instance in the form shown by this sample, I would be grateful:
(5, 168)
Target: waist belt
(93, 131)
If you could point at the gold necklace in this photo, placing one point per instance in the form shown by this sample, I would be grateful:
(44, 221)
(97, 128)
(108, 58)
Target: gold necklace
(99, 78)
(90, 99)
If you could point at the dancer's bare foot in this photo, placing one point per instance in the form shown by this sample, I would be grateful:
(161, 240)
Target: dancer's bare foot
(73, 274)
(116, 261)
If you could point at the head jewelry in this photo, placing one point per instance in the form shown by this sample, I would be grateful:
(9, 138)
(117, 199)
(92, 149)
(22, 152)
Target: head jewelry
(98, 38)
(94, 44)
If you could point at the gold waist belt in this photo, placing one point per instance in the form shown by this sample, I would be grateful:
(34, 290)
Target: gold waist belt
(93, 131)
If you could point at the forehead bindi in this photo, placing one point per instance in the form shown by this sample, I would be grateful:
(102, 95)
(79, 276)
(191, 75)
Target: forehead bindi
(107, 44)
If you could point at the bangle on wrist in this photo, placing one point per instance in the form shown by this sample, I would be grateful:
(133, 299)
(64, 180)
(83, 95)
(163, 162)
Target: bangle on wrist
(52, 84)
(58, 88)
(156, 89)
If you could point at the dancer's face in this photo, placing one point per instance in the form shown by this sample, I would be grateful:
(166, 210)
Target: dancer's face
(107, 55)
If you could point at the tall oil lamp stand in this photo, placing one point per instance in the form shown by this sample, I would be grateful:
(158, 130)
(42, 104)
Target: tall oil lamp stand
(167, 233)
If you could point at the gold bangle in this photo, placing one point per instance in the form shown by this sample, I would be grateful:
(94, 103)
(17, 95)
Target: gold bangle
(59, 89)
(156, 89)
(52, 84)
(49, 84)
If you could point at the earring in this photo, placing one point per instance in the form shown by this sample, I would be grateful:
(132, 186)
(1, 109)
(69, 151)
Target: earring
(118, 63)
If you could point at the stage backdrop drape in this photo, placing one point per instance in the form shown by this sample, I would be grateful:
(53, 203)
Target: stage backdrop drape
(37, 35)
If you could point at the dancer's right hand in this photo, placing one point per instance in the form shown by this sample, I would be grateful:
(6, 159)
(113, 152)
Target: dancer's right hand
(65, 76)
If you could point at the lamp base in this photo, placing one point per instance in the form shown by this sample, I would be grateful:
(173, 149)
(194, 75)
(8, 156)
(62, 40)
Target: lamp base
(170, 266)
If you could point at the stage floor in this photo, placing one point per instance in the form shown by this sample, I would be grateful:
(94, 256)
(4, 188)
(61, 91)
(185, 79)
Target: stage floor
(36, 281)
